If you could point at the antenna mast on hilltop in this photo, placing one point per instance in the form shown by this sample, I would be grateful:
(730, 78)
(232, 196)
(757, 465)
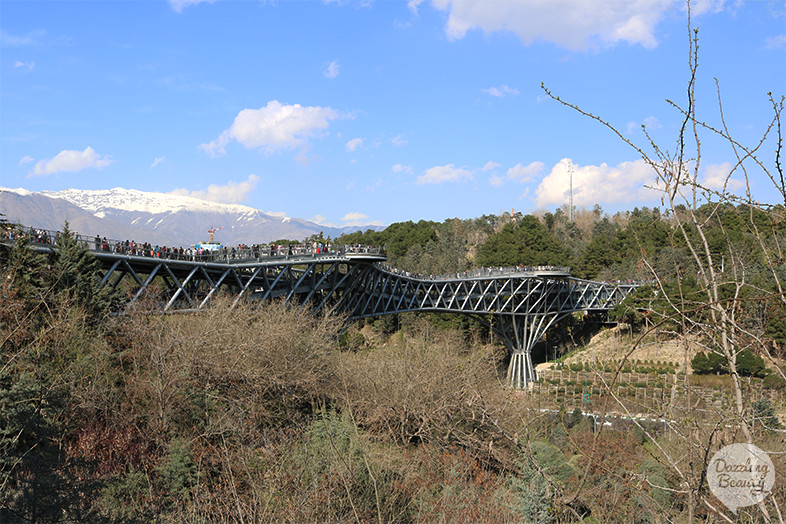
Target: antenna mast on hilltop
(570, 204)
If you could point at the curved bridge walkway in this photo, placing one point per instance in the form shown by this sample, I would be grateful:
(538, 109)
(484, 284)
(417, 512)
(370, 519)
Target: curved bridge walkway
(519, 304)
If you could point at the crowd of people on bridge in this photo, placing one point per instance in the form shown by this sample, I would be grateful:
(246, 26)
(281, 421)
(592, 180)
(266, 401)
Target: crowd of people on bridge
(256, 252)
(198, 252)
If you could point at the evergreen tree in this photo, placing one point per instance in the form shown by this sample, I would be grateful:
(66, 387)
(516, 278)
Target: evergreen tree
(705, 364)
(76, 277)
(526, 242)
(750, 365)
(42, 360)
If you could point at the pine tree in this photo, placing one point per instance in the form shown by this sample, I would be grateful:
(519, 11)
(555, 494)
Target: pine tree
(76, 277)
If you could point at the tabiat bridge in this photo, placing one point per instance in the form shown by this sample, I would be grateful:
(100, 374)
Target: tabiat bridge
(519, 303)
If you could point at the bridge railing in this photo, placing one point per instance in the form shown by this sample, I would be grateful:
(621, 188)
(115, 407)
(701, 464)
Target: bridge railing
(230, 254)
(485, 272)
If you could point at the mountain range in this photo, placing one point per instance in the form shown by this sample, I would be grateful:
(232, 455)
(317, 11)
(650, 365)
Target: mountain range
(159, 218)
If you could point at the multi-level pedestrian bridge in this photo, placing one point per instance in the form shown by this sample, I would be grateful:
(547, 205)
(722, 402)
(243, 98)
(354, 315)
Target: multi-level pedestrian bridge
(518, 303)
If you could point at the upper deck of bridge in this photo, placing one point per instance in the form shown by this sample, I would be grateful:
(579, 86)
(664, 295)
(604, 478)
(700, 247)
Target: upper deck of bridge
(239, 255)
(273, 254)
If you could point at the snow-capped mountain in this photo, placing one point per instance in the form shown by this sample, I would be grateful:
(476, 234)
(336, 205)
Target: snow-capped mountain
(155, 217)
(101, 200)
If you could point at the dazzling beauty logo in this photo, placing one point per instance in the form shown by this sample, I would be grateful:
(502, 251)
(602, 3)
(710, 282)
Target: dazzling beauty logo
(740, 475)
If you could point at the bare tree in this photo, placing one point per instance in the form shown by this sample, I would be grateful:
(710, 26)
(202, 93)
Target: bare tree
(733, 281)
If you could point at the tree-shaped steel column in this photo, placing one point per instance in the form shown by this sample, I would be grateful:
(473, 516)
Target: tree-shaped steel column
(520, 333)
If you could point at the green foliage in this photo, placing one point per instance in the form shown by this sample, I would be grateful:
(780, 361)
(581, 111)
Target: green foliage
(332, 466)
(543, 472)
(351, 340)
(178, 475)
(26, 270)
(602, 252)
(531, 494)
(551, 461)
(123, 499)
(712, 363)
(385, 324)
(763, 417)
(776, 323)
(774, 381)
(526, 242)
(659, 487)
(76, 277)
(629, 311)
(748, 364)
(52, 309)
(39, 483)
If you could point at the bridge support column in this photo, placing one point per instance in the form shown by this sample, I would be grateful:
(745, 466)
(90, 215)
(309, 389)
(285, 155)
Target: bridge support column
(520, 370)
(520, 333)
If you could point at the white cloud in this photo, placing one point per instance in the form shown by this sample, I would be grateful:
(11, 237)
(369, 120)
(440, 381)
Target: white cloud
(400, 168)
(501, 91)
(573, 24)
(278, 214)
(273, 127)
(495, 180)
(399, 140)
(490, 166)
(354, 217)
(31, 38)
(414, 4)
(25, 65)
(699, 7)
(26, 160)
(601, 184)
(179, 5)
(523, 174)
(776, 42)
(321, 220)
(440, 174)
(70, 161)
(359, 219)
(231, 193)
(158, 161)
(353, 144)
(332, 70)
(717, 176)
(652, 122)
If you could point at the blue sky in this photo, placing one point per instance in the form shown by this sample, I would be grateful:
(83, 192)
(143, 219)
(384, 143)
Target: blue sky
(376, 111)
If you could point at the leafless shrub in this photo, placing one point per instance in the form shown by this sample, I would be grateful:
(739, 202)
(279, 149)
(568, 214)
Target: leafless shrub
(428, 387)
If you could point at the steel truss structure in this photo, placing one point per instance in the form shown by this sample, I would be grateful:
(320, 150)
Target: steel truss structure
(519, 306)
